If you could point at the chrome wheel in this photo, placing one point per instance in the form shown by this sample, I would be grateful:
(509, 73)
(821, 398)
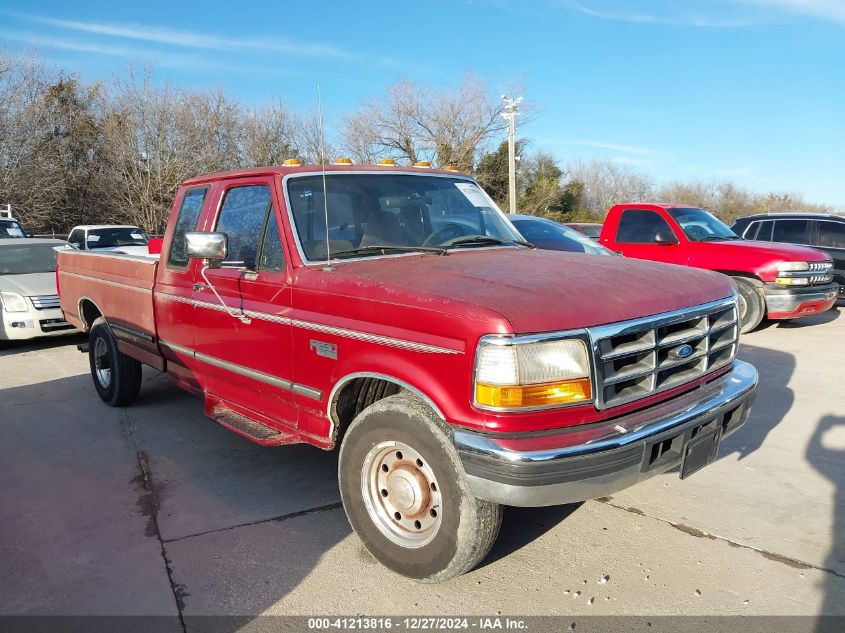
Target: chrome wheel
(103, 362)
(401, 494)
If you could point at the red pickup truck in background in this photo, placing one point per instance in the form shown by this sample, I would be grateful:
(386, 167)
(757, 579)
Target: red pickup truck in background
(397, 313)
(778, 281)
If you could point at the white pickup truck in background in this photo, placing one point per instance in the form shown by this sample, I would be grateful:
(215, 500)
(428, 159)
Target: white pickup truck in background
(118, 238)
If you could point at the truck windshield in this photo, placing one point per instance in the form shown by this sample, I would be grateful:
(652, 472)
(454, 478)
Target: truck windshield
(10, 229)
(370, 213)
(553, 236)
(701, 226)
(120, 236)
(31, 258)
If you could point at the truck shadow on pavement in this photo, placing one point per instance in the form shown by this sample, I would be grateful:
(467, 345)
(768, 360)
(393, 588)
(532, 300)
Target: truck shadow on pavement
(826, 452)
(774, 399)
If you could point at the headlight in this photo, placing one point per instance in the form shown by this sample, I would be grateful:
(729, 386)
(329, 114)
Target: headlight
(13, 302)
(793, 267)
(513, 375)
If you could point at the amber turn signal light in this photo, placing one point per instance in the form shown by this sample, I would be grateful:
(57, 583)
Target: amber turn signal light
(543, 395)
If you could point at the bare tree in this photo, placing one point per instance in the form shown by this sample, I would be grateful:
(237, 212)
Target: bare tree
(605, 183)
(155, 143)
(78, 152)
(414, 122)
(729, 202)
(311, 142)
(268, 136)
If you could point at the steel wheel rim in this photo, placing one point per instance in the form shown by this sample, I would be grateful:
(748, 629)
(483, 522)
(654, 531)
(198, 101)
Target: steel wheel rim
(102, 363)
(401, 494)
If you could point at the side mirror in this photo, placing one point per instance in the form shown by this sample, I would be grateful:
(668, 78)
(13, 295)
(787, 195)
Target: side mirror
(665, 238)
(212, 247)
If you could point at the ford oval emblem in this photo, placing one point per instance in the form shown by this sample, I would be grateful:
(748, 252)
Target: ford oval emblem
(683, 351)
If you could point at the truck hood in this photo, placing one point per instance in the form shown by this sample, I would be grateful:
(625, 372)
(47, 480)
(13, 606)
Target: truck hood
(770, 250)
(539, 290)
(29, 285)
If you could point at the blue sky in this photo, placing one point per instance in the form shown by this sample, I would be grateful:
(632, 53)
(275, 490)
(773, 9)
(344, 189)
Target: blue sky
(747, 90)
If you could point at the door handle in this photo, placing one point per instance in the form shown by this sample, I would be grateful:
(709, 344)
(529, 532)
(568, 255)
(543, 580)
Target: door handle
(201, 286)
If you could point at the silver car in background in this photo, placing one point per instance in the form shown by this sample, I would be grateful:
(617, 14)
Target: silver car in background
(29, 300)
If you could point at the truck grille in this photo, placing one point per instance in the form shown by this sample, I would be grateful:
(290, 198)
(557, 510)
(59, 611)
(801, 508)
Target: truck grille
(638, 358)
(45, 302)
(820, 266)
(816, 280)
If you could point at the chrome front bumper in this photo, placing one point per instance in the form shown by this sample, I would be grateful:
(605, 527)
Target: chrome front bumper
(594, 460)
(787, 302)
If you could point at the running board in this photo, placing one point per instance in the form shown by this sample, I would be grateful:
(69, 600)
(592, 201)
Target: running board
(248, 427)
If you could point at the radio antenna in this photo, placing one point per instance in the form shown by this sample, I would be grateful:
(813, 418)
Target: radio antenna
(325, 190)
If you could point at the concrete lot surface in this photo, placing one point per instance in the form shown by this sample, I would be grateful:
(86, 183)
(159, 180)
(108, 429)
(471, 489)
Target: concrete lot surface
(153, 509)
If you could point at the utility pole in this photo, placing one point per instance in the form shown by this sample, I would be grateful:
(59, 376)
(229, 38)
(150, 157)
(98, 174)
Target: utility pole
(510, 113)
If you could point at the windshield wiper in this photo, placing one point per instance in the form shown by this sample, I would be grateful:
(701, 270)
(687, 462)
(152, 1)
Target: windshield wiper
(717, 238)
(486, 239)
(382, 248)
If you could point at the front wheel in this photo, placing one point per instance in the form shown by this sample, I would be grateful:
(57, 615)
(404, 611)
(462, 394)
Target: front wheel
(117, 377)
(752, 306)
(405, 493)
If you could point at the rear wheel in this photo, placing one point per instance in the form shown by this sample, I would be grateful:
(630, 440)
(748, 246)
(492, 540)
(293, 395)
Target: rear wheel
(117, 377)
(405, 493)
(752, 307)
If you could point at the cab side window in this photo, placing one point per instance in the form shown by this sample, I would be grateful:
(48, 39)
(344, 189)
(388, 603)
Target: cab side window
(272, 255)
(189, 214)
(831, 234)
(76, 236)
(641, 226)
(764, 233)
(791, 231)
(251, 228)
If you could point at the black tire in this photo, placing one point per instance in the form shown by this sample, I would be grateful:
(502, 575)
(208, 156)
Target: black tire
(467, 526)
(752, 306)
(124, 380)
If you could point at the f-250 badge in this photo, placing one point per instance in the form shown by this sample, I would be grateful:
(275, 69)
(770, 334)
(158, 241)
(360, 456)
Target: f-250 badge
(328, 350)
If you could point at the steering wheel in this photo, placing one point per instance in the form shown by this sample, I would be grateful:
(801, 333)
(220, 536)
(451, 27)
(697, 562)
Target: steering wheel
(696, 232)
(446, 232)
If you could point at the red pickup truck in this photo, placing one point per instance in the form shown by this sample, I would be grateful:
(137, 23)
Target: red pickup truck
(778, 281)
(396, 313)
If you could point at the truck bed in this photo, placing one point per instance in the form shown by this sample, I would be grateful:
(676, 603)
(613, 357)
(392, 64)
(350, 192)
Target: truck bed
(114, 285)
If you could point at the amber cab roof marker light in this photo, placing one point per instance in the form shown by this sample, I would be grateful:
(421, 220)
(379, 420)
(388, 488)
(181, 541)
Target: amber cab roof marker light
(292, 162)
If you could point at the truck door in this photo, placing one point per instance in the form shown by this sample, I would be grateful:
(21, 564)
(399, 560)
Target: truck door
(246, 346)
(830, 237)
(646, 234)
(175, 312)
